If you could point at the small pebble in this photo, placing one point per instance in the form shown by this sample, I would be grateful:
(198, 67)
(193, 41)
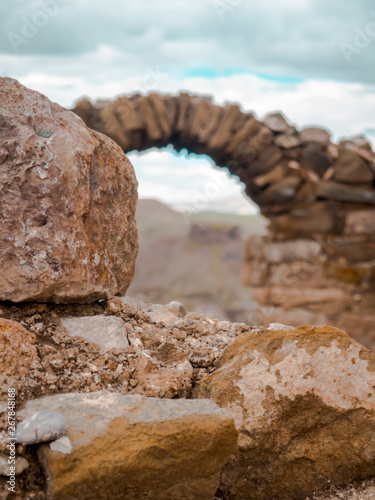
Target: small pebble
(21, 465)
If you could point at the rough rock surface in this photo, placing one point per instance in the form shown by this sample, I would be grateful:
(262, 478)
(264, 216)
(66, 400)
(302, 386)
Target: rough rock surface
(107, 332)
(44, 425)
(364, 491)
(17, 352)
(304, 403)
(133, 447)
(21, 464)
(68, 196)
(159, 362)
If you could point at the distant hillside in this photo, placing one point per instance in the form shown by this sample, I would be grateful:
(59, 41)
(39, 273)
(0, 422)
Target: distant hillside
(195, 258)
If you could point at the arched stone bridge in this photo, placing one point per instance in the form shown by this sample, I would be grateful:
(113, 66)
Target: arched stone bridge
(301, 180)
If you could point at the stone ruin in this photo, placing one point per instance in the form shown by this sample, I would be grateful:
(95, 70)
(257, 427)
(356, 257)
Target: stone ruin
(114, 398)
(316, 265)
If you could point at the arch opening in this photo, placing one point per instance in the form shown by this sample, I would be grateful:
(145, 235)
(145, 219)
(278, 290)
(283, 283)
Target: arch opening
(189, 182)
(193, 220)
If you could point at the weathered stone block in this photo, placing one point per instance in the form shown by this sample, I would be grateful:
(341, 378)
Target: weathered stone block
(319, 218)
(133, 447)
(351, 168)
(344, 192)
(315, 134)
(314, 383)
(290, 251)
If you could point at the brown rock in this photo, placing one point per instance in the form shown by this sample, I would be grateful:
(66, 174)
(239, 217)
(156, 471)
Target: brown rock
(319, 218)
(315, 161)
(200, 117)
(250, 127)
(275, 175)
(332, 151)
(351, 168)
(297, 274)
(361, 142)
(67, 228)
(265, 161)
(89, 113)
(304, 403)
(287, 141)
(289, 298)
(276, 122)
(151, 125)
(133, 447)
(223, 133)
(156, 382)
(361, 222)
(347, 272)
(356, 248)
(314, 134)
(185, 112)
(213, 117)
(17, 352)
(270, 314)
(177, 308)
(170, 103)
(161, 115)
(291, 251)
(114, 127)
(161, 315)
(343, 192)
(128, 115)
(281, 192)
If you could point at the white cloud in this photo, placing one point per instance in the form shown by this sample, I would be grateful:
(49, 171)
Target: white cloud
(190, 181)
(105, 49)
(298, 38)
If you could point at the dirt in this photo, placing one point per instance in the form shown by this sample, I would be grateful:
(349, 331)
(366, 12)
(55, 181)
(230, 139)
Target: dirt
(69, 364)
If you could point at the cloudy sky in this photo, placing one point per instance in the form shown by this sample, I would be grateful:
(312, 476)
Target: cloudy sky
(311, 59)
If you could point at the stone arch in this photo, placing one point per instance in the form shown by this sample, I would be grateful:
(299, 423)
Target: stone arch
(318, 196)
(284, 170)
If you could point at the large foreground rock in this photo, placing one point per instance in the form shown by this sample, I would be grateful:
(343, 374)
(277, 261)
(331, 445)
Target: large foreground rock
(68, 196)
(132, 447)
(303, 401)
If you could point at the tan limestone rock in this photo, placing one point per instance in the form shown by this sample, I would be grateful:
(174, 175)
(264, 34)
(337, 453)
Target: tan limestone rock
(303, 401)
(133, 447)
